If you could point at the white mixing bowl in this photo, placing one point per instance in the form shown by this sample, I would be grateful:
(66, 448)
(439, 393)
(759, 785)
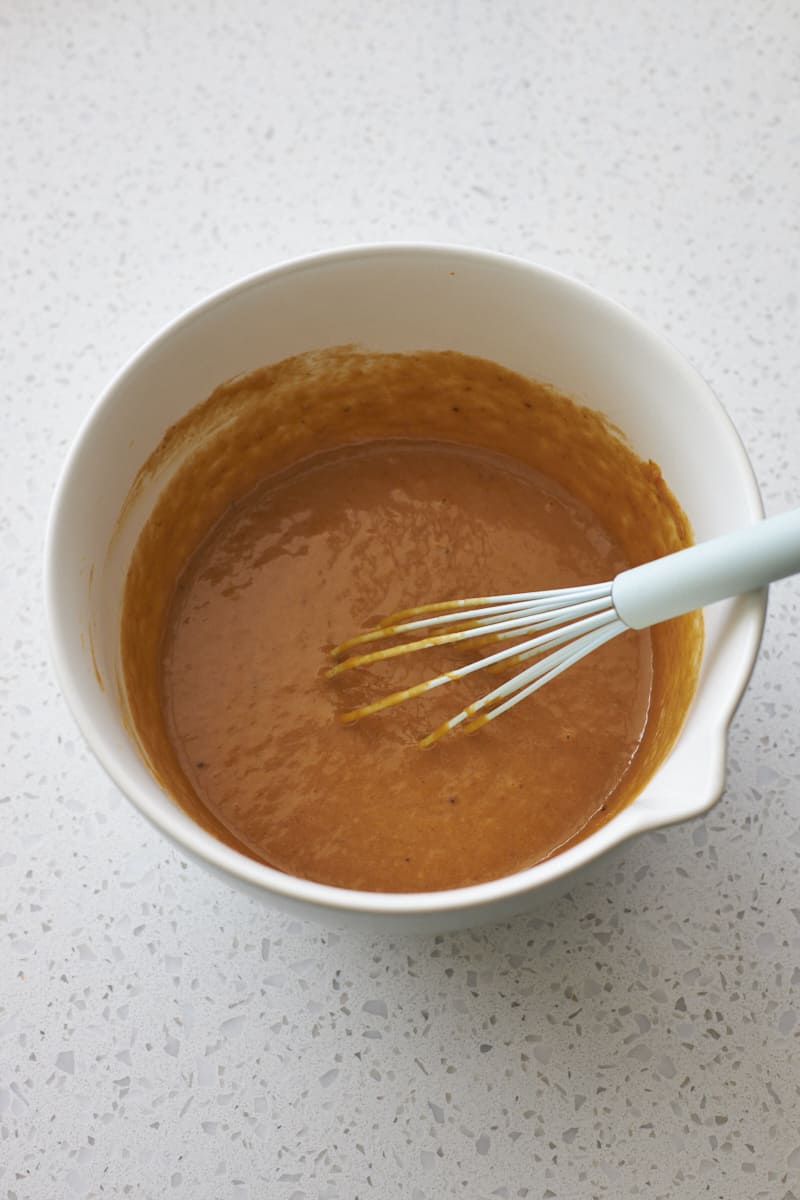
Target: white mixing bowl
(398, 298)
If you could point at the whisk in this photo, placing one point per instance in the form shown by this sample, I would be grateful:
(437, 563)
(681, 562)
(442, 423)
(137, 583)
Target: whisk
(558, 628)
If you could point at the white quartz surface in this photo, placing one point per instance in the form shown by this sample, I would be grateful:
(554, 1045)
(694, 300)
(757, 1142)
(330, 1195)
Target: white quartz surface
(162, 1035)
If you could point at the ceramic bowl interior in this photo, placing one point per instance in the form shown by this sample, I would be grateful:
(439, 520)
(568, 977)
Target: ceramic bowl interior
(398, 298)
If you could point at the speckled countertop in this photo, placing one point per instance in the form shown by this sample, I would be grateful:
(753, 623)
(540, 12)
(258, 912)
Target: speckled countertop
(161, 1035)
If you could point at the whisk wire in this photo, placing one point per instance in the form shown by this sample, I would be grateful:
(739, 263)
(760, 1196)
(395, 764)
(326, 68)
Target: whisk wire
(521, 650)
(547, 669)
(581, 619)
(587, 591)
(470, 625)
(477, 608)
(525, 683)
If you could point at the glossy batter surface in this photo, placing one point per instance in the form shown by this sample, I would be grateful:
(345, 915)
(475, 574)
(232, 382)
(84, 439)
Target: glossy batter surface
(297, 504)
(321, 550)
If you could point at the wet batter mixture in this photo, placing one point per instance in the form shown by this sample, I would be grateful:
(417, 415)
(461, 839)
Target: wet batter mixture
(226, 681)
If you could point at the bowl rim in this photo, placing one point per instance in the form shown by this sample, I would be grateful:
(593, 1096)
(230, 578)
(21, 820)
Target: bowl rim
(189, 837)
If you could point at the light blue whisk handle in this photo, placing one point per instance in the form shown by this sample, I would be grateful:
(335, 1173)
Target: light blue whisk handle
(726, 566)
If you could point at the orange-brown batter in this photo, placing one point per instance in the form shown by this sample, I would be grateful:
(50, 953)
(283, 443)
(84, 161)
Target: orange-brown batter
(245, 730)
